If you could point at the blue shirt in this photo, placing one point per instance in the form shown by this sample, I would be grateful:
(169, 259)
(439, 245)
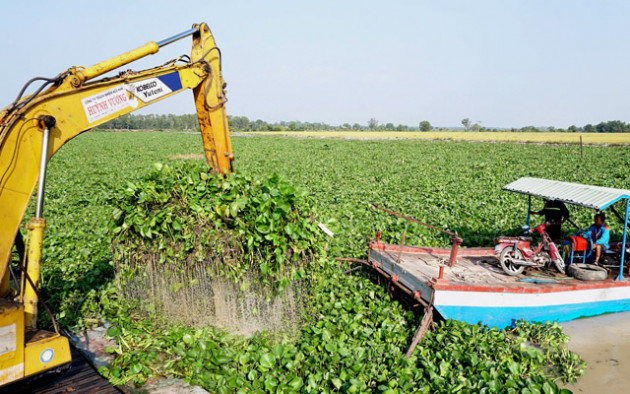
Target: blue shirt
(600, 235)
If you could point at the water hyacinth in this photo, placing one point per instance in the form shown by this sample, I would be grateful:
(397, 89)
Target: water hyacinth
(363, 328)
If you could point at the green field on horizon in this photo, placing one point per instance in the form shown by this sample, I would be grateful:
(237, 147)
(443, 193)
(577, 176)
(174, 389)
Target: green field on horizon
(498, 136)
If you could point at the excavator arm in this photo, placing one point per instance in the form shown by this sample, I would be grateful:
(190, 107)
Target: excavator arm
(33, 128)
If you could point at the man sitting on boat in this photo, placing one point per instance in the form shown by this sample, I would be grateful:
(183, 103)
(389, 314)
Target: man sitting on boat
(556, 213)
(600, 234)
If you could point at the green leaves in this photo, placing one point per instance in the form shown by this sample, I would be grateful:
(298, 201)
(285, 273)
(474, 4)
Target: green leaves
(136, 368)
(266, 361)
(262, 222)
(353, 334)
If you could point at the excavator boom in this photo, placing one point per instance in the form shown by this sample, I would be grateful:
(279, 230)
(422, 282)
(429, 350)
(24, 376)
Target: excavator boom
(34, 127)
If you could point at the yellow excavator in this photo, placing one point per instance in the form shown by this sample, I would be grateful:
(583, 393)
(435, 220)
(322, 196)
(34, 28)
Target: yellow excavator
(34, 127)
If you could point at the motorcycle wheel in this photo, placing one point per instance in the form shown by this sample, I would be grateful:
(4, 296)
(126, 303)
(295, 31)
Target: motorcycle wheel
(559, 263)
(508, 254)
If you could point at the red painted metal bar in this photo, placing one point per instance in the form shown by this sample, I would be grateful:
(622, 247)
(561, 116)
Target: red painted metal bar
(412, 219)
(456, 242)
(351, 260)
(402, 243)
(468, 252)
(455, 239)
(413, 294)
(427, 321)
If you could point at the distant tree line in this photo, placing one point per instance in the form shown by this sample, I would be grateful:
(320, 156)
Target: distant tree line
(153, 122)
(239, 123)
(613, 126)
(190, 122)
(242, 123)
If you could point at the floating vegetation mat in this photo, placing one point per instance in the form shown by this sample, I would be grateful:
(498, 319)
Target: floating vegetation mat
(194, 251)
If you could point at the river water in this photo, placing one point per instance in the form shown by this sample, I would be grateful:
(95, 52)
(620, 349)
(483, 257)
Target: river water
(604, 343)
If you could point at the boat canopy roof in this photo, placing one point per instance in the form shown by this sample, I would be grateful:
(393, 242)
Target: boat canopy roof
(588, 196)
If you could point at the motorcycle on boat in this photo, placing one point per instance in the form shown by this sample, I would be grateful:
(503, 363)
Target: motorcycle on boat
(517, 253)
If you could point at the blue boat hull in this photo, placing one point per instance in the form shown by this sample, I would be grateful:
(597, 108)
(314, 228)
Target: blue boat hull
(502, 316)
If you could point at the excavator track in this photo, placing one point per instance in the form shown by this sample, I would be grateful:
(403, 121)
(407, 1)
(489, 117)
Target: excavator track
(81, 377)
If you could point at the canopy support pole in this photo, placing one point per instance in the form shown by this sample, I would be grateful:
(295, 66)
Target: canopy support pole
(623, 242)
(612, 208)
(529, 210)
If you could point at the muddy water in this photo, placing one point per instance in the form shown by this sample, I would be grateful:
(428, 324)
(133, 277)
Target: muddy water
(604, 342)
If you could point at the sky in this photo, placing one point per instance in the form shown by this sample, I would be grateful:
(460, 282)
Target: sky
(500, 63)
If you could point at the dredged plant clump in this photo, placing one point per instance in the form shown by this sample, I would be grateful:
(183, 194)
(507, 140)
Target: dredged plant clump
(206, 249)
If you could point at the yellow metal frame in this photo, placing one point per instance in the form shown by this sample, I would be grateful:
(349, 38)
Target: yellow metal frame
(29, 298)
(11, 341)
(45, 354)
(68, 101)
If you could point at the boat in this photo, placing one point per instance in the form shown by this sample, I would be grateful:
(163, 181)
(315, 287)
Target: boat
(468, 284)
